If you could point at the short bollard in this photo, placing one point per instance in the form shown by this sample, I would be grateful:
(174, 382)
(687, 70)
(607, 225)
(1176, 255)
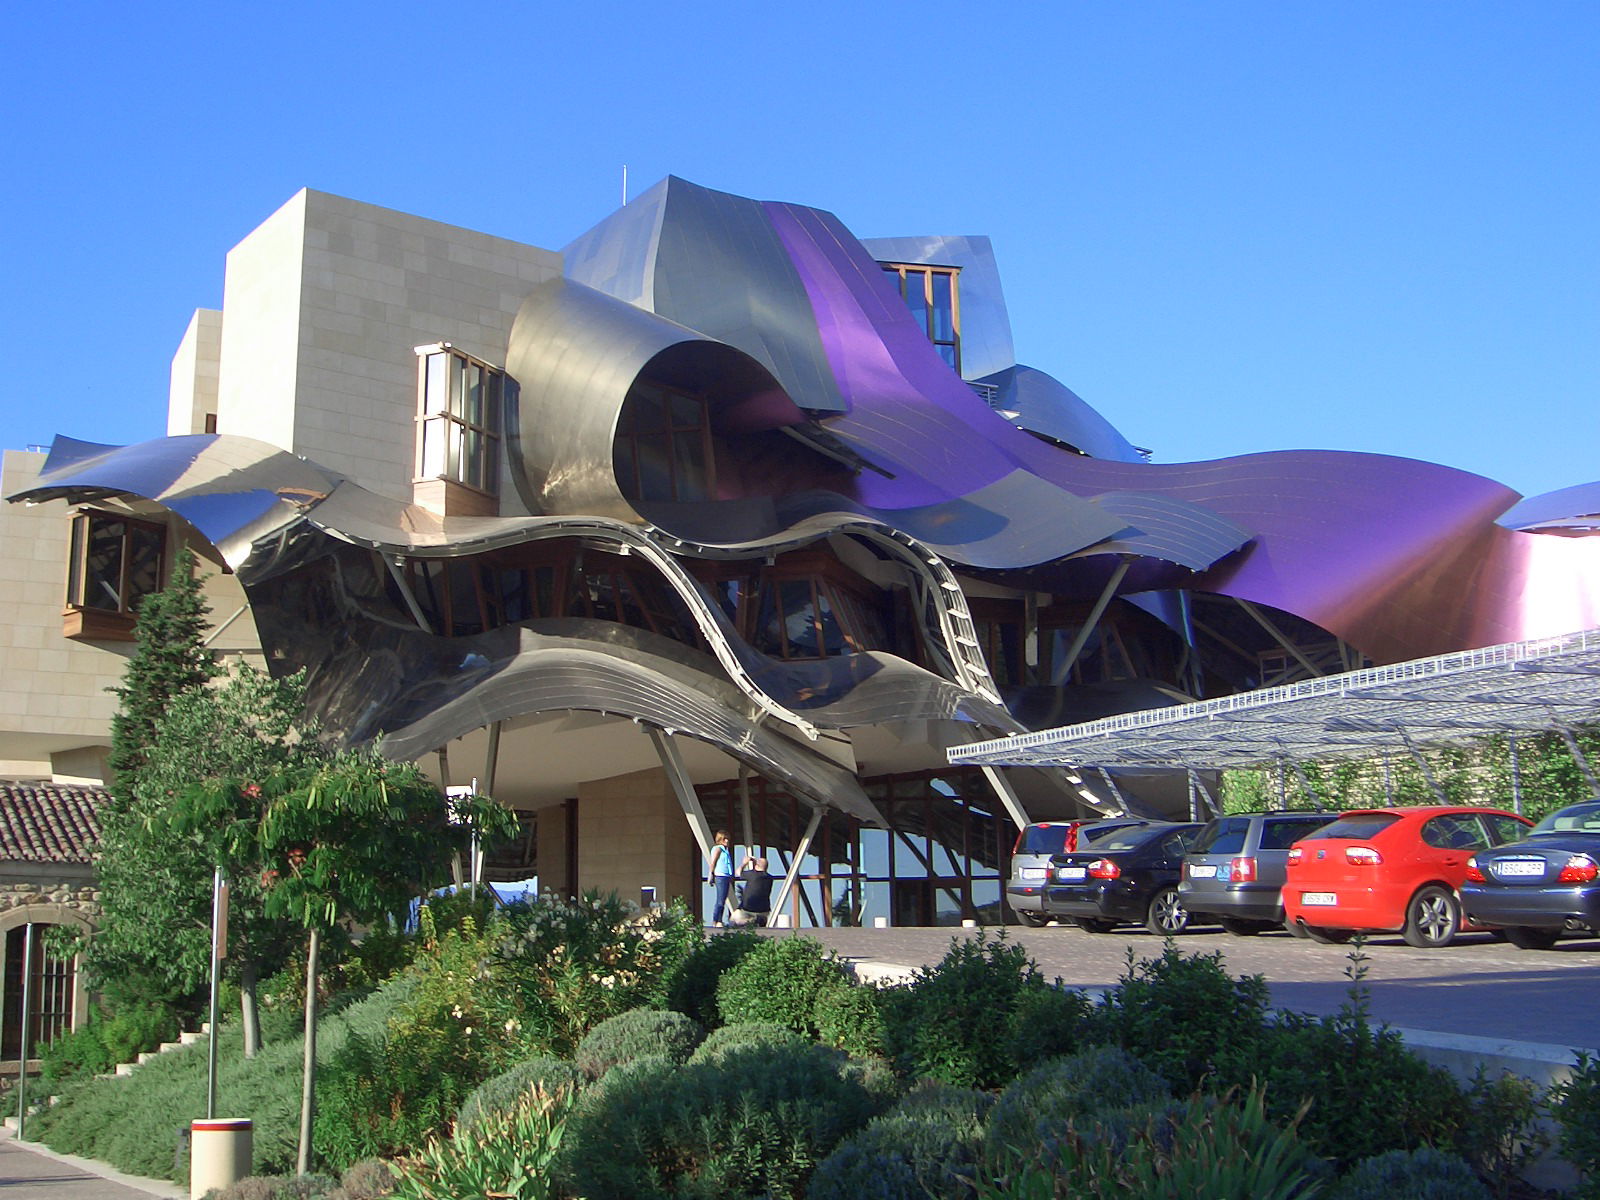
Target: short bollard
(219, 1153)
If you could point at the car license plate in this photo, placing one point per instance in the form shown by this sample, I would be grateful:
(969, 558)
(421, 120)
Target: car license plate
(1034, 872)
(1519, 866)
(1072, 874)
(1202, 871)
(1318, 898)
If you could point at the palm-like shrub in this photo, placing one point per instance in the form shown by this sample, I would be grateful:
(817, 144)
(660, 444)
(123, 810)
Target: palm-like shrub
(507, 1154)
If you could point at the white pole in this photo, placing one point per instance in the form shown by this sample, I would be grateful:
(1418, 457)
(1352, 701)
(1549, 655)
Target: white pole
(219, 951)
(27, 1017)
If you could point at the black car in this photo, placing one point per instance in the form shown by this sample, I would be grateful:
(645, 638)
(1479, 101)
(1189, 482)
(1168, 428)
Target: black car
(1548, 882)
(1130, 877)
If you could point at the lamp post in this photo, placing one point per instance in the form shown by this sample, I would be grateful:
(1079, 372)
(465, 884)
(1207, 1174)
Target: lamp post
(27, 1019)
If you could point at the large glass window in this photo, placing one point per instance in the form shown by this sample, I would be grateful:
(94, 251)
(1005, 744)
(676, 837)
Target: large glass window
(663, 446)
(116, 562)
(934, 297)
(463, 403)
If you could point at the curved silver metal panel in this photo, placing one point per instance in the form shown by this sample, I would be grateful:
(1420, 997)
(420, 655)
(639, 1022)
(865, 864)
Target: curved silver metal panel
(1041, 404)
(712, 262)
(576, 352)
(551, 673)
(1569, 510)
(233, 490)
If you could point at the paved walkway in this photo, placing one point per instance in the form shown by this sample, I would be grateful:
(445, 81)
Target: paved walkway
(1476, 988)
(29, 1171)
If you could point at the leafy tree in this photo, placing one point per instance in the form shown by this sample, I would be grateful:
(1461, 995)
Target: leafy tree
(169, 658)
(177, 725)
(354, 837)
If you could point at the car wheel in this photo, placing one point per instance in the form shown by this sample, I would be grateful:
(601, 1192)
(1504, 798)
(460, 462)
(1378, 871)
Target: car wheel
(1328, 937)
(1094, 924)
(1166, 916)
(1531, 937)
(1240, 927)
(1031, 918)
(1432, 918)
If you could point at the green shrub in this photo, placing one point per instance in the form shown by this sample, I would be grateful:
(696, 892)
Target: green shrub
(573, 963)
(635, 1034)
(1575, 1104)
(1187, 1018)
(780, 981)
(1048, 1022)
(957, 1020)
(275, 1187)
(132, 1121)
(132, 1031)
(507, 1155)
(1040, 1105)
(1206, 1147)
(503, 1092)
(76, 1055)
(378, 1097)
(1367, 1092)
(1422, 1174)
(1505, 1129)
(928, 1145)
(754, 1122)
(370, 1179)
(746, 1033)
(850, 1019)
(690, 983)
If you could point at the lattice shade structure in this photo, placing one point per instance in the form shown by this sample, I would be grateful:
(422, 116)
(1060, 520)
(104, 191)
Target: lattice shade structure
(1520, 687)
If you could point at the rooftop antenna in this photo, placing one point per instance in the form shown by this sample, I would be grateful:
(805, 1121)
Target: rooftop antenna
(624, 185)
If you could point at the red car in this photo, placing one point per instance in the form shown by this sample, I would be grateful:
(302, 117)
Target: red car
(1385, 870)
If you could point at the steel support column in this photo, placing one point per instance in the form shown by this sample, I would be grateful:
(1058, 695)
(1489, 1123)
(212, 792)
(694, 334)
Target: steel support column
(682, 786)
(1008, 796)
(1059, 673)
(800, 852)
(1422, 764)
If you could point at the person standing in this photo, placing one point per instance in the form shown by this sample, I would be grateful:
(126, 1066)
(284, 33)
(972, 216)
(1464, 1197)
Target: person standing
(721, 876)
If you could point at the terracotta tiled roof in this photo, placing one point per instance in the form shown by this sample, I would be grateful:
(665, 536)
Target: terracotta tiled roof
(50, 822)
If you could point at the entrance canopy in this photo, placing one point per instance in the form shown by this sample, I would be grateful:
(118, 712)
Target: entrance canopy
(1522, 687)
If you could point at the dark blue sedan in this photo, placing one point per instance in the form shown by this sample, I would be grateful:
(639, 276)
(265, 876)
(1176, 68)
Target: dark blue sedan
(1546, 883)
(1130, 877)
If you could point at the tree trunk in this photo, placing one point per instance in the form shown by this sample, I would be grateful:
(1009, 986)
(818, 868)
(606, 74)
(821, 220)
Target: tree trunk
(309, 1089)
(249, 1008)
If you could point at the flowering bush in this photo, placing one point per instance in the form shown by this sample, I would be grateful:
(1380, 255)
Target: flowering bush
(578, 962)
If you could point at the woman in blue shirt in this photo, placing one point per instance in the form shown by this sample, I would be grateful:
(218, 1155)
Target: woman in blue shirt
(721, 876)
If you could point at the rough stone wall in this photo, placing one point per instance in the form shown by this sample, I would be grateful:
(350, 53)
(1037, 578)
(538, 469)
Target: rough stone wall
(79, 899)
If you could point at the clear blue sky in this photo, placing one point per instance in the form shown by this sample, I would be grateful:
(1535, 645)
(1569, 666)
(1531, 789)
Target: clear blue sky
(1229, 226)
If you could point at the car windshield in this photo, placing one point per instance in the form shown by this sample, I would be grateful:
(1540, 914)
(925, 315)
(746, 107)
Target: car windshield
(1225, 835)
(1575, 818)
(1359, 826)
(1128, 839)
(1044, 839)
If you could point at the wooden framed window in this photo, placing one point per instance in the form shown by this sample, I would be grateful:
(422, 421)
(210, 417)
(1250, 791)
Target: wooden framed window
(114, 562)
(934, 296)
(662, 451)
(463, 402)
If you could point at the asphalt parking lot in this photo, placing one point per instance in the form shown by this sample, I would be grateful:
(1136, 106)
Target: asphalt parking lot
(1478, 987)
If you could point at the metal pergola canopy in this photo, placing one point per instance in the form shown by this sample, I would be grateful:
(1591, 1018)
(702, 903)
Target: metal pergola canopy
(1522, 687)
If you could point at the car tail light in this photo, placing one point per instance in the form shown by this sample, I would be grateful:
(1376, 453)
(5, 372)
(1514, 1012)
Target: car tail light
(1104, 868)
(1072, 839)
(1242, 870)
(1362, 856)
(1580, 868)
(1474, 871)
(1295, 855)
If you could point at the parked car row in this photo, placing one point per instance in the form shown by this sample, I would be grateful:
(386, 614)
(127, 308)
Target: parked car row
(1427, 873)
